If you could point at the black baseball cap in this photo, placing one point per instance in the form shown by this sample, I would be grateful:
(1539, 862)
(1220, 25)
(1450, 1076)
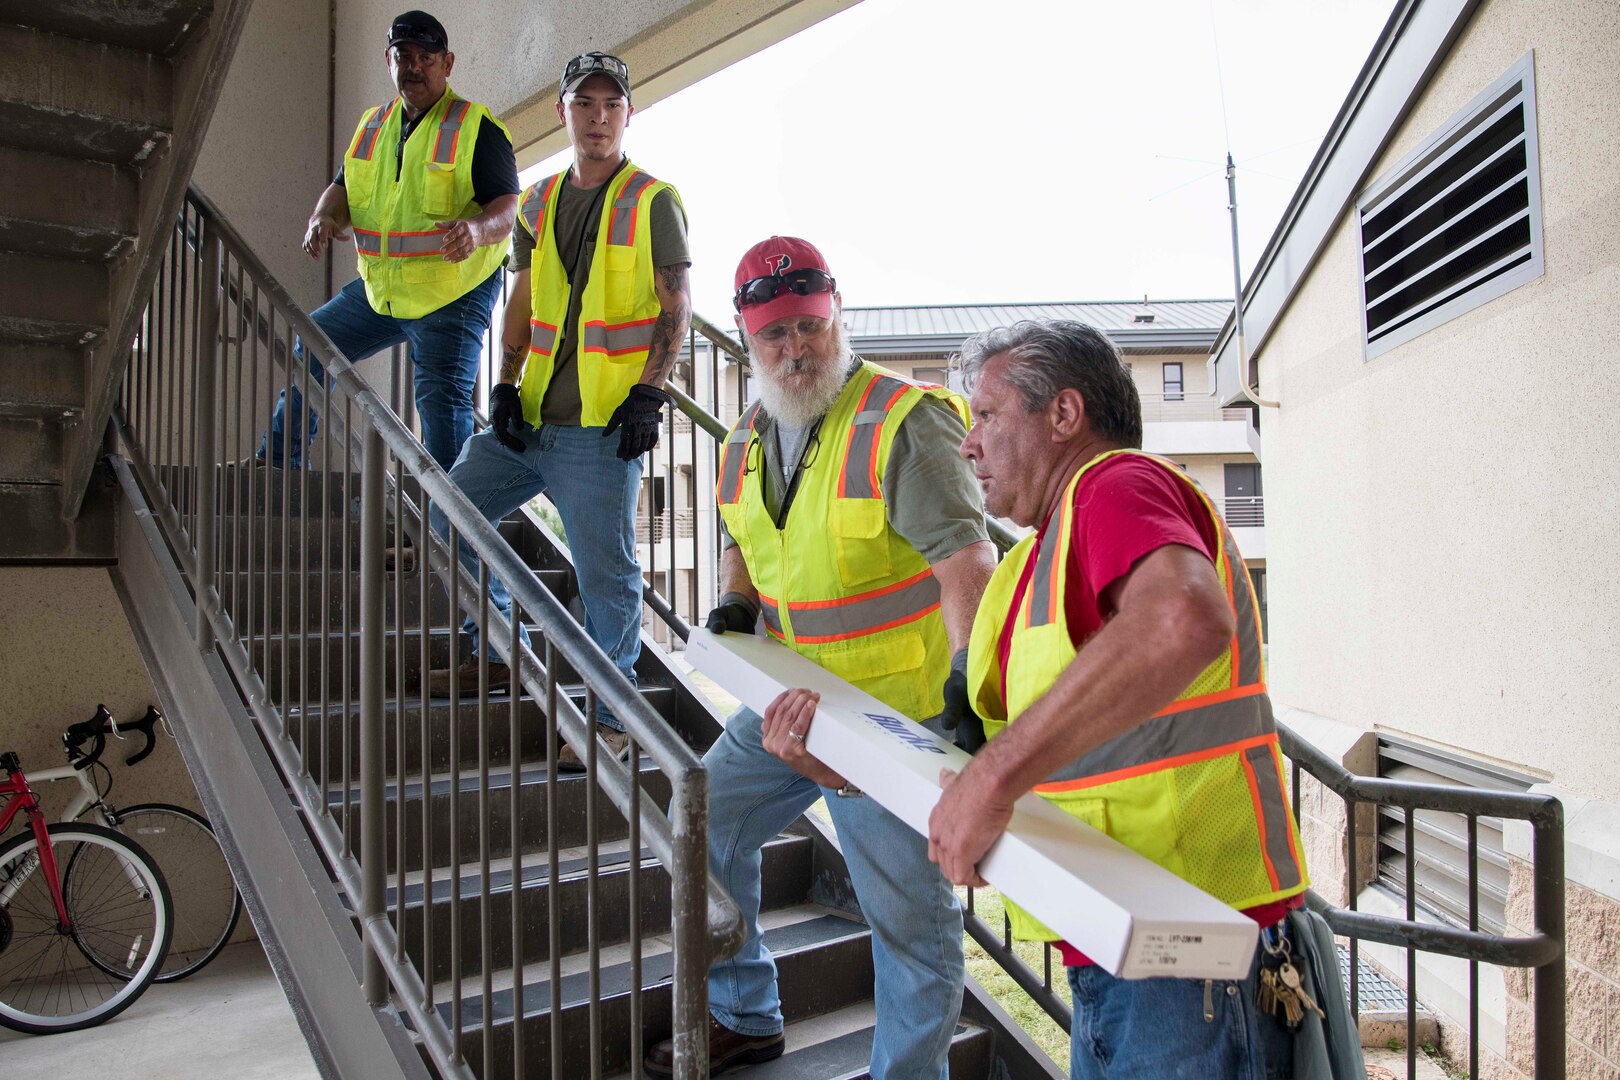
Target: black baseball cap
(585, 65)
(420, 29)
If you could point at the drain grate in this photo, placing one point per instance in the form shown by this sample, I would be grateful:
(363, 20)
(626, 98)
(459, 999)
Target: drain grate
(1377, 992)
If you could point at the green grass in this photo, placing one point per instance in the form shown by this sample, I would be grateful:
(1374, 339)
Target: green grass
(1000, 986)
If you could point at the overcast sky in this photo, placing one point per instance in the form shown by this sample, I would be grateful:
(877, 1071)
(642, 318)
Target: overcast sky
(947, 151)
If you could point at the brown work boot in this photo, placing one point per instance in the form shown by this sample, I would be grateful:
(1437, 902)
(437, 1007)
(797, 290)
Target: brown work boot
(401, 560)
(500, 677)
(617, 743)
(727, 1050)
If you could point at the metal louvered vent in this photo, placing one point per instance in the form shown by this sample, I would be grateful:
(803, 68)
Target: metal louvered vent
(1458, 221)
(1440, 840)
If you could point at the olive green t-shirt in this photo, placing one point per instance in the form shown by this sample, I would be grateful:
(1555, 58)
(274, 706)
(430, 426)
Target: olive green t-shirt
(579, 215)
(932, 497)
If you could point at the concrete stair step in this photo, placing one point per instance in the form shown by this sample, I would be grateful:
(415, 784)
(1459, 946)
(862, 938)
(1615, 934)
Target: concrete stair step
(83, 99)
(313, 735)
(533, 780)
(838, 1046)
(296, 600)
(30, 449)
(50, 301)
(786, 877)
(45, 375)
(824, 963)
(155, 26)
(69, 208)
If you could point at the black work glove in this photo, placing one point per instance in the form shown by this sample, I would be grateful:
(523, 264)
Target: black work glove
(637, 420)
(504, 407)
(957, 713)
(735, 613)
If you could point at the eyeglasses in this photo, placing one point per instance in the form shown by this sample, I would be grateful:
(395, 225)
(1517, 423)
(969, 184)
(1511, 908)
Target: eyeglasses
(798, 282)
(592, 62)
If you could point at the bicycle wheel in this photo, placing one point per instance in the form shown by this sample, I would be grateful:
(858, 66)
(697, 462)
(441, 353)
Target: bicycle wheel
(119, 907)
(206, 903)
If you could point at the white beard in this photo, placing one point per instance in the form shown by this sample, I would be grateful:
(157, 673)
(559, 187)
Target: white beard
(812, 386)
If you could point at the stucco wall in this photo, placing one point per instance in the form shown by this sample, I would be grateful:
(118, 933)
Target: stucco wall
(1441, 521)
(264, 160)
(68, 648)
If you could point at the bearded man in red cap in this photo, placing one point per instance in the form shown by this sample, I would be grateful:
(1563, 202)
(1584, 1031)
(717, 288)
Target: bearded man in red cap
(855, 529)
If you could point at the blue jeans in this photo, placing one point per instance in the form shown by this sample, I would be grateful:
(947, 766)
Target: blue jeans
(915, 918)
(595, 493)
(1151, 1028)
(445, 347)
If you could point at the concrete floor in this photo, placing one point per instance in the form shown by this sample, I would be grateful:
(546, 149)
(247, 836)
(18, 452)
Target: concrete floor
(229, 1019)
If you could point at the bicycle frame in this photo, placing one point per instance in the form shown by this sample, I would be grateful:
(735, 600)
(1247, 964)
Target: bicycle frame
(21, 797)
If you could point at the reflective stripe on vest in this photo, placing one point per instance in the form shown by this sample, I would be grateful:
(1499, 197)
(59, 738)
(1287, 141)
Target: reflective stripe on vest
(534, 204)
(622, 222)
(444, 145)
(542, 337)
(817, 622)
(616, 339)
(1189, 729)
(366, 143)
(772, 613)
(859, 480)
(1271, 814)
(734, 465)
(401, 245)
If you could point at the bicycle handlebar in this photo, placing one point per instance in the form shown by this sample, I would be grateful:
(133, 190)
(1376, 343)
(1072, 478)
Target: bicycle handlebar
(96, 729)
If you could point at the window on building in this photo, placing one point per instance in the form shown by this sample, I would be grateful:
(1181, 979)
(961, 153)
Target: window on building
(1458, 222)
(1244, 503)
(1440, 841)
(1172, 382)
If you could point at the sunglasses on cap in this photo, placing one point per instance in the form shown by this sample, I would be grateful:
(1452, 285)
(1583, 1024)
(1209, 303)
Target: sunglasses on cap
(798, 282)
(586, 64)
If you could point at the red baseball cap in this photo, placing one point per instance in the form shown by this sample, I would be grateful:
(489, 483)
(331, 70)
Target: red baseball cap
(772, 258)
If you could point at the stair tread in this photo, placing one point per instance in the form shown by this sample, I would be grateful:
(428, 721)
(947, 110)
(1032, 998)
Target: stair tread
(500, 779)
(802, 928)
(160, 27)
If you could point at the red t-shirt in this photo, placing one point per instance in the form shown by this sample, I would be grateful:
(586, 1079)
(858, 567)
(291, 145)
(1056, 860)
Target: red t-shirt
(1125, 509)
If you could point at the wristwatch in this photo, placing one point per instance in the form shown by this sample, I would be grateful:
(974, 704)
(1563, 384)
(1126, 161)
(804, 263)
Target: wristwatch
(849, 791)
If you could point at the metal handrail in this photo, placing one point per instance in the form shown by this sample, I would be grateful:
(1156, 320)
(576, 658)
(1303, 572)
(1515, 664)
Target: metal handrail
(210, 269)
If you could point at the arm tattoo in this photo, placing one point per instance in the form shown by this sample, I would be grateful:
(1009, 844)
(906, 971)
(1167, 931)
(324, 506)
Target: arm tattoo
(669, 328)
(512, 364)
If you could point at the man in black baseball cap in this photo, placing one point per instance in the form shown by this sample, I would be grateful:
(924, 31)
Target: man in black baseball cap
(420, 29)
(428, 190)
(585, 65)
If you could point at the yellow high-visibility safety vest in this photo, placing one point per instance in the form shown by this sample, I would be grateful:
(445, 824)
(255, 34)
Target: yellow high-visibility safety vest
(395, 222)
(620, 304)
(1198, 788)
(836, 583)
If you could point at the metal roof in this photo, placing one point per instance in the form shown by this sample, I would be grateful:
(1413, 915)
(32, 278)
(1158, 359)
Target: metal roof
(1174, 324)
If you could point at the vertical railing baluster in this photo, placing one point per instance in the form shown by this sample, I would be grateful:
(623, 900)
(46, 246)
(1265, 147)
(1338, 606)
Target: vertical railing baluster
(593, 913)
(348, 623)
(634, 898)
(373, 850)
(553, 899)
(1411, 953)
(688, 906)
(1352, 856)
(1473, 965)
(454, 825)
(207, 455)
(401, 832)
(486, 826)
(514, 735)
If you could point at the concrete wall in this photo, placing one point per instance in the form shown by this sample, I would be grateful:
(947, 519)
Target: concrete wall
(264, 161)
(68, 648)
(1442, 519)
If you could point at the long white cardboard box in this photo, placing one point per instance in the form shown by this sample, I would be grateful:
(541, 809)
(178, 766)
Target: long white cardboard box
(1129, 915)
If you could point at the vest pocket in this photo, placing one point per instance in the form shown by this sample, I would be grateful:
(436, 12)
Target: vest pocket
(619, 281)
(857, 527)
(359, 176)
(426, 269)
(439, 200)
(888, 666)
